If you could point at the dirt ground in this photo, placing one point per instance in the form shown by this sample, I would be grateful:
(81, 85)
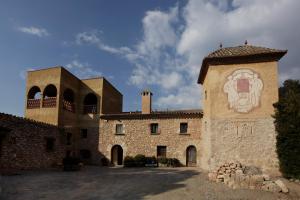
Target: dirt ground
(95, 183)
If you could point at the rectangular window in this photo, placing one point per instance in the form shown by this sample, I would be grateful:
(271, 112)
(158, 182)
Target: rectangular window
(183, 127)
(119, 129)
(154, 128)
(83, 133)
(161, 151)
(50, 144)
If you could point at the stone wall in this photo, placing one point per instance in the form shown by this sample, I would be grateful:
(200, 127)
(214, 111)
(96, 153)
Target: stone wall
(137, 139)
(23, 144)
(249, 141)
(238, 108)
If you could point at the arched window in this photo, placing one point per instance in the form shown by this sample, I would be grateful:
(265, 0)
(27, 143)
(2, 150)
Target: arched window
(90, 103)
(33, 97)
(68, 100)
(50, 91)
(49, 96)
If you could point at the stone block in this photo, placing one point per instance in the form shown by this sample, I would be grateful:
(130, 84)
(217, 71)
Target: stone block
(282, 186)
(266, 177)
(270, 186)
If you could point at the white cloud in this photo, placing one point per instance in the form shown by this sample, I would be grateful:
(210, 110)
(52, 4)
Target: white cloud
(82, 70)
(175, 41)
(93, 37)
(40, 32)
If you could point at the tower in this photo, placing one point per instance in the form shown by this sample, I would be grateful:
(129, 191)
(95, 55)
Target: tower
(240, 85)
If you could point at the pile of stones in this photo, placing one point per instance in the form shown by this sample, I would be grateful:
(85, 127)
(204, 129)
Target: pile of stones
(235, 175)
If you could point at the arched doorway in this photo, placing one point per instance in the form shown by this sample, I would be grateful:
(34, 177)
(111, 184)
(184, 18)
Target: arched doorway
(117, 155)
(191, 156)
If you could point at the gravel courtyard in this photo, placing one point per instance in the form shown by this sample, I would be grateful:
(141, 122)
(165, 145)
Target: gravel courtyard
(126, 184)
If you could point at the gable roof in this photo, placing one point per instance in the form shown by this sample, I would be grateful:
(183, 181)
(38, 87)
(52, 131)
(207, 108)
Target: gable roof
(238, 55)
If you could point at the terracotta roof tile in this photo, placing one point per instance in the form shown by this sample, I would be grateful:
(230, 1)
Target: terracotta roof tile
(8, 120)
(237, 55)
(244, 50)
(155, 114)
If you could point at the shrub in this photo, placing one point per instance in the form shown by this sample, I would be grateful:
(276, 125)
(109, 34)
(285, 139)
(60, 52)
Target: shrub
(173, 162)
(151, 161)
(71, 163)
(140, 160)
(129, 161)
(104, 161)
(287, 123)
(163, 161)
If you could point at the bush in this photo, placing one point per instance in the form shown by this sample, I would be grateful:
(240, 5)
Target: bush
(173, 162)
(163, 161)
(71, 163)
(151, 161)
(287, 123)
(169, 162)
(129, 161)
(104, 161)
(140, 160)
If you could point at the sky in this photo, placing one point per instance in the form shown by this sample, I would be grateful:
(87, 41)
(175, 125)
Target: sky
(138, 44)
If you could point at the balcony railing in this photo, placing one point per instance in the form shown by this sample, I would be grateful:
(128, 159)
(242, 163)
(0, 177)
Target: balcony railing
(33, 103)
(49, 102)
(90, 109)
(69, 106)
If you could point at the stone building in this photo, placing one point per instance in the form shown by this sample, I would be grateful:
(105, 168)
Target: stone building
(27, 144)
(57, 97)
(172, 134)
(240, 85)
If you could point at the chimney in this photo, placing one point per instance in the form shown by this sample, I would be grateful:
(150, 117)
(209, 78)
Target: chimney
(146, 101)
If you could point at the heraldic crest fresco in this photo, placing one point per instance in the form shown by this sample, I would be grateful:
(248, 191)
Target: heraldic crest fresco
(243, 88)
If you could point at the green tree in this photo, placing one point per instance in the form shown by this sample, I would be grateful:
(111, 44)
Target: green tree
(287, 123)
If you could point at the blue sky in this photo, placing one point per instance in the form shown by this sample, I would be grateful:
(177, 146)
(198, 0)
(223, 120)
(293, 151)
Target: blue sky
(137, 44)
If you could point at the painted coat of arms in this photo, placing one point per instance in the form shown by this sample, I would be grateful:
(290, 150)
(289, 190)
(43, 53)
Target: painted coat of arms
(243, 88)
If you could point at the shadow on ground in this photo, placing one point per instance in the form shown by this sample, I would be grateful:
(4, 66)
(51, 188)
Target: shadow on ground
(95, 183)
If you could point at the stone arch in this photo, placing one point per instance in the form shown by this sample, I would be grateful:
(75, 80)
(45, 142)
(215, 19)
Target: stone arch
(117, 155)
(49, 96)
(34, 93)
(50, 91)
(68, 100)
(191, 156)
(34, 97)
(90, 103)
(69, 95)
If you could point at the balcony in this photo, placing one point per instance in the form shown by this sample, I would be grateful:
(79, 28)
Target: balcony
(49, 102)
(69, 106)
(89, 109)
(33, 103)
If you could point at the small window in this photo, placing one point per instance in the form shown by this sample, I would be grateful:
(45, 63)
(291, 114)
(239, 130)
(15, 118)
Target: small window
(205, 94)
(183, 127)
(161, 151)
(83, 133)
(119, 128)
(154, 128)
(69, 138)
(50, 144)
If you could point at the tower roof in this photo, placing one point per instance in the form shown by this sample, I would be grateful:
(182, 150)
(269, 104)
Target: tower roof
(237, 55)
